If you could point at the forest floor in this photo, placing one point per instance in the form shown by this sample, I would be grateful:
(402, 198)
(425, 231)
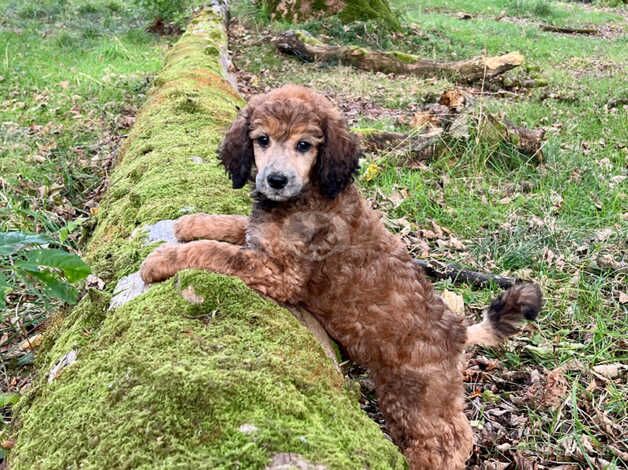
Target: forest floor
(556, 394)
(74, 72)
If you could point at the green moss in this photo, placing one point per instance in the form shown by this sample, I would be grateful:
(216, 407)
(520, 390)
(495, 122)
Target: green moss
(378, 10)
(354, 10)
(307, 38)
(165, 383)
(404, 57)
(162, 382)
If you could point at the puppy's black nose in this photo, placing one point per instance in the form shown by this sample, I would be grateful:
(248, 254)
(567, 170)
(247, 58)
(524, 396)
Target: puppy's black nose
(277, 180)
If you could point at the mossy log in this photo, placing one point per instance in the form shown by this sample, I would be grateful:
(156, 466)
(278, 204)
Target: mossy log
(200, 371)
(347, 10)
(307, 48)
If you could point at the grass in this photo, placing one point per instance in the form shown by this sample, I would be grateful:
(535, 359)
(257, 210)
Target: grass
(72, 74)
(69, 70)
(561, 223)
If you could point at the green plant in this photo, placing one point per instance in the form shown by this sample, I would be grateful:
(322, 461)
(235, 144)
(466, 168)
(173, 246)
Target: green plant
(27, 262)
(534, 8)
(165, 10)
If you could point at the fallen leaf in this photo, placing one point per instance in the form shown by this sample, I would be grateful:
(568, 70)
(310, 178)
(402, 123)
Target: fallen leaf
(454, 301)
(372, 170)
(453, 99)
(603, 235)
(609, 371)
(556, 389)
(30, 343)
(623, 297)
(424, 247)
(424, 119)
(8, 444)
(428, 234)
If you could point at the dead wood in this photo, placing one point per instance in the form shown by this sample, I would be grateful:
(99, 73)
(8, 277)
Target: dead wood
(452, 117)
(439, 271)
(417, 147)
(309, 49)
(565, 30)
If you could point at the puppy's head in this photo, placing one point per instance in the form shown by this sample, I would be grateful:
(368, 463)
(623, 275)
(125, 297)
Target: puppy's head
(293, 137)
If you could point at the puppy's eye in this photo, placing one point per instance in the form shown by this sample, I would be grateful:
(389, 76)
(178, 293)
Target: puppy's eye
(303, 146)
(263, 140)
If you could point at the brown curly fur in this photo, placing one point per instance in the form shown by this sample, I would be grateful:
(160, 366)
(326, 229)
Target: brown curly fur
(329, 252)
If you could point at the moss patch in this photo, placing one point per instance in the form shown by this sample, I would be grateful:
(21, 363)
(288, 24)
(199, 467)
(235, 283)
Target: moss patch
(377, 10)
(353, 10)
(162, 382)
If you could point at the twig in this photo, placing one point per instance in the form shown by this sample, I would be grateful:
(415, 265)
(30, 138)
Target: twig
(565, 30)
(438, 270)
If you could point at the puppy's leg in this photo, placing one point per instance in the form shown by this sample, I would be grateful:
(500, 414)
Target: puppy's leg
(226, 228)
(424, 412)
(252, 267)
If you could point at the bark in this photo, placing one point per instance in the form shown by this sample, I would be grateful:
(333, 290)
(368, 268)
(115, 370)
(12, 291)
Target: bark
(198, 371)
(307, 48)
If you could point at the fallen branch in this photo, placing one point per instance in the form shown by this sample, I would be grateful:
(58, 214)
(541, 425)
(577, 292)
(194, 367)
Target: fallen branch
(527, 141)
(439, 271)
(307, 48)
(418, 147)
(451, 117)
(566, 30)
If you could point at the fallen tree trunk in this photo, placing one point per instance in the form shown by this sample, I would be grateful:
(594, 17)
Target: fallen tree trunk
(307, 48)
(199, 371)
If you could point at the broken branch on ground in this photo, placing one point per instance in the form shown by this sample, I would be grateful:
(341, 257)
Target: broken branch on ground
(309, 49)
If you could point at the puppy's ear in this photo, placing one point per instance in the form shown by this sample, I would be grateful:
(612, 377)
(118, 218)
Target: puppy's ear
(338, 158)
(236, 150)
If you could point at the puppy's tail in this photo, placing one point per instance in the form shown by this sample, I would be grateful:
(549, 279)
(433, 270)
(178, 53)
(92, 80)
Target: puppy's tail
(505, 315)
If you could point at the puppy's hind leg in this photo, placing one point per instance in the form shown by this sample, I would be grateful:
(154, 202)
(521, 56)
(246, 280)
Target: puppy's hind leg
(424, 411)
(225, 228)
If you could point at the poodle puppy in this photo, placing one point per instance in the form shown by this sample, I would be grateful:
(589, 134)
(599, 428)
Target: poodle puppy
(313, 241)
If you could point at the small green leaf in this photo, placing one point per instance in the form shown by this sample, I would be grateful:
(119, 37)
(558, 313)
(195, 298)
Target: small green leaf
(55, 287)
(65, 232)
(26, 360)
(12, 242)
(73, 267)
(7, 399)
(4, 290)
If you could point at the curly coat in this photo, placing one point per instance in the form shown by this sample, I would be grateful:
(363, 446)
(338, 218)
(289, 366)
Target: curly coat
(329, 252)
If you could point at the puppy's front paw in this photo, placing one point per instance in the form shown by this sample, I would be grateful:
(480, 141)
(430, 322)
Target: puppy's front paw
(186, 227)
(160, 264)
